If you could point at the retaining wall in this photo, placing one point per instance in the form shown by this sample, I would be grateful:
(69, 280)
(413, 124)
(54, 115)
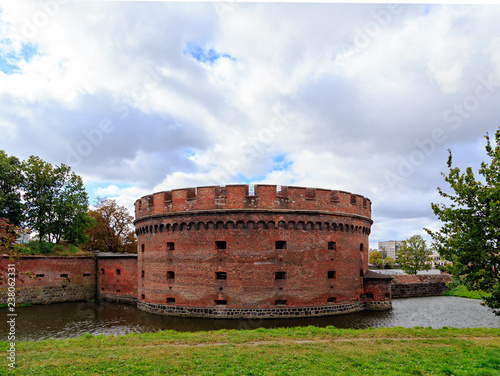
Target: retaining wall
(406, 286)
(42, 280)
(56, 279)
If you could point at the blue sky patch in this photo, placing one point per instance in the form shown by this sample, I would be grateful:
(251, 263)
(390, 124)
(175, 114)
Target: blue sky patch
(9, 61)
(280, 163)
(28, 51)
(6, 67)
(189, 153)
(249, 180)
(203, 55)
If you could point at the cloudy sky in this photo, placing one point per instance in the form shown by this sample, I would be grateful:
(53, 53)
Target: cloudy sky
(143, 97)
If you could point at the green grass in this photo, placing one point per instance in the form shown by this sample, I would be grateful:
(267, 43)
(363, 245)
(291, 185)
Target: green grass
(462, 292)
(283, 351)
(51, 249)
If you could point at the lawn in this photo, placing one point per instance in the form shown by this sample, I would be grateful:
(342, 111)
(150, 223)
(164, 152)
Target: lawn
(283, 351)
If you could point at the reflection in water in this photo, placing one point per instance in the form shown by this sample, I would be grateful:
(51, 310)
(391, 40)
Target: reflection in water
(66, 320)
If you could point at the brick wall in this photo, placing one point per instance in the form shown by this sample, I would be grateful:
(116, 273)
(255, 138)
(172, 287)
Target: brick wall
(405, 286)
(42, 279)
(117, 277)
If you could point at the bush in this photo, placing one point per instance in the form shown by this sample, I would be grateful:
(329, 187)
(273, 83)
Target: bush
(37, 248)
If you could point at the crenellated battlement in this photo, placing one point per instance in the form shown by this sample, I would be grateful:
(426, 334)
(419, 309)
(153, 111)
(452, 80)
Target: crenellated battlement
(259, 197)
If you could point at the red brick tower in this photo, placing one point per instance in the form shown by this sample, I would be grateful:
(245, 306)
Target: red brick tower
(269, 251)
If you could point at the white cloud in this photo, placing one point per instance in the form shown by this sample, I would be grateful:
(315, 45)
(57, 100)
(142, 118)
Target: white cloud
(292, 94)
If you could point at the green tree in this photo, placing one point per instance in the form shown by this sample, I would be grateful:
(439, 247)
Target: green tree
(11, 179)
(375, 258)
(383, 252)
(76, 232)
(55, 199)
(389, 262)
(414, 255)
(470, 235)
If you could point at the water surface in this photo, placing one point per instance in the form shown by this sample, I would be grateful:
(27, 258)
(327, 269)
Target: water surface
(67, 320)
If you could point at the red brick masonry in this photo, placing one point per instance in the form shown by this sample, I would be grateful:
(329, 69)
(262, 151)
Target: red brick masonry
(41, 279)
(117, 277)
(405, 286)
(46, 279)
(277, 251)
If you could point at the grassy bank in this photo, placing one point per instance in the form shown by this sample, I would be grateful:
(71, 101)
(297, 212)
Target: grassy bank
(51, 249)
(284, 351)
(462, 292)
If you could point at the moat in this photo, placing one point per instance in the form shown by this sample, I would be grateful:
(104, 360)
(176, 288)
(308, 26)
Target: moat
(66, 320)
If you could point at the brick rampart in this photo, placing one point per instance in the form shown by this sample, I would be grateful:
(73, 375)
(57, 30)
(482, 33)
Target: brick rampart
(41, 280)
(275, 249)
(117, 277)
(49, 279)
(406, 286)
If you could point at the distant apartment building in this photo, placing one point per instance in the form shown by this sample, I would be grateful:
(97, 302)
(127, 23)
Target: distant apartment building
(391, 247)
(437, 260)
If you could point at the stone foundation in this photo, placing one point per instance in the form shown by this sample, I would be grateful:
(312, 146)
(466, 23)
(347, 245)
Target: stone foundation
(55, 294)
(378, 305)
(235, 313)
(126, 299)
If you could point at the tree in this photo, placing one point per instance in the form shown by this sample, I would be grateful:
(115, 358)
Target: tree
(113, 230)
(414, 255)
(8, 236)
(383, 252)
(470, 235)
(375, 258)
(55, 199)
(76, 232)
(11, 179)
(389, 262)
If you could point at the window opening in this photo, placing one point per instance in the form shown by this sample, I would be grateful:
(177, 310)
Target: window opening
(220, 276)
(220, 244)
(280, 244)
(280, 275)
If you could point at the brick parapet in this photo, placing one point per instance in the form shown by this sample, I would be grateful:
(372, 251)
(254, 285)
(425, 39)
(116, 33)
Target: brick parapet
(264, 197)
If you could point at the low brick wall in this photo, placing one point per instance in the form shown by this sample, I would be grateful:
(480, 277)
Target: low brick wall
(117, 277)
(43, 279)
(406, 286)
(56, 279)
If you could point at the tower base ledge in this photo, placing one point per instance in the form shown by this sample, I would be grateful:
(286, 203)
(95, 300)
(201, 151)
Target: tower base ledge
(261, 313)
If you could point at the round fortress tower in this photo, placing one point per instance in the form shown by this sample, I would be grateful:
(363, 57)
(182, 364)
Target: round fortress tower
(255, 251)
